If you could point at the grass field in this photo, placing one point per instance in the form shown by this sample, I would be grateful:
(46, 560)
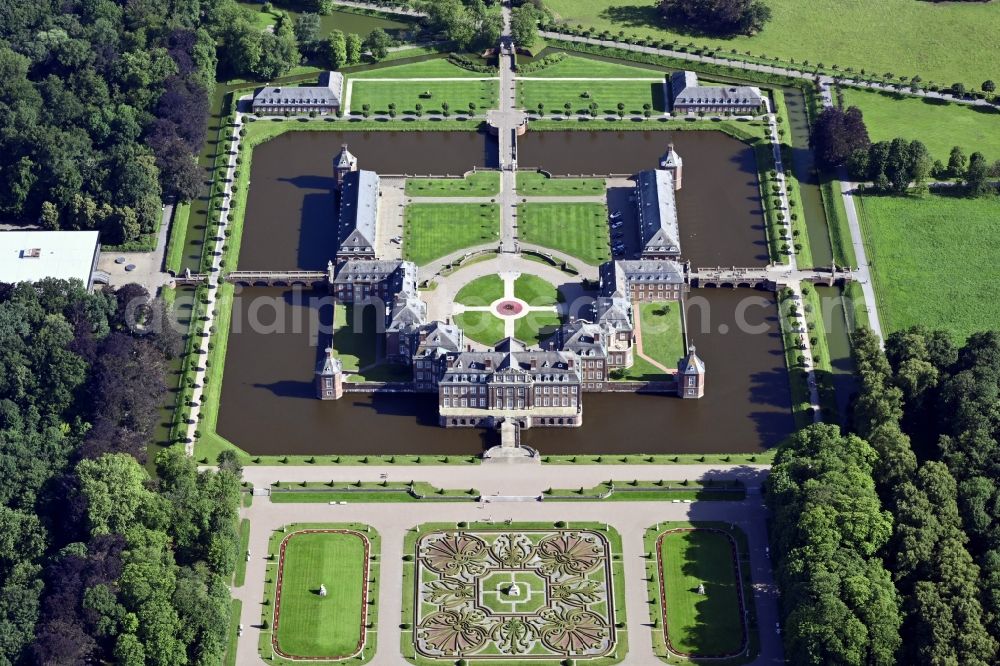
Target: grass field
(311, 625)
(701, 624)
(477, 184)
(431, 95)
(933, 261)
(535, 327)
(581, 94)
(939, 125)
(533, 183)
(436, 68)
(662, 332)
(435, 230)
(943, 42)
(578, 229)
(482, 327)
(590, 68)
(533, 290)
(481, 291)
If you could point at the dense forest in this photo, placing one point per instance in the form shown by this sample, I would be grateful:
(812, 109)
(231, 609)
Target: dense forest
(888, 539)
(98, 561)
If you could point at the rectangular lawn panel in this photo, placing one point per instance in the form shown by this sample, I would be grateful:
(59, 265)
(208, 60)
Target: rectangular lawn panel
(579, 67)
(662, 332)
(944, 42)
(436, 68)
(578, 229)
(481, 291)
(939, 125)
(314, 626)
(533, 183)
(431, 95)
(476, 184)
(436, 230)
(706, 624)
(581, 94)
(482, 327)
(934, 259)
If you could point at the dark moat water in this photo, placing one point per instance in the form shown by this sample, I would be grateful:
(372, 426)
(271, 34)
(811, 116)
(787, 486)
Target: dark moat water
(291, 220)
(718, 208)
(267, 404)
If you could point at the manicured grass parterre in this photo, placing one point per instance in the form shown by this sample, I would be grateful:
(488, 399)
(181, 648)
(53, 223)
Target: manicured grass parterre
(306, 623)
(436, 230)
(708, 624)
(590, 68)
(942, 42)
(435, 68)
(939, 125)
(535, 184)
(535, 327)
(554, 95)
(578, 229)
(481, 291)
(431, 95)
(482, 327)
(533, 290)
(662, 332)
(933, 260)
(475, 184)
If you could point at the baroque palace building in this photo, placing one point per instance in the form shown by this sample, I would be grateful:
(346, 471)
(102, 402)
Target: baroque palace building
(508, 382)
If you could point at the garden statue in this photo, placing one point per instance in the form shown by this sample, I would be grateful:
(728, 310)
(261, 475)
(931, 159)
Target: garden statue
(701, 588)
(514, 591)
(322, 590)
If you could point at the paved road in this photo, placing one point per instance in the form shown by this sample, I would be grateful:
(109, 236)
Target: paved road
(861, 254)
(148, 270)
(392, 523)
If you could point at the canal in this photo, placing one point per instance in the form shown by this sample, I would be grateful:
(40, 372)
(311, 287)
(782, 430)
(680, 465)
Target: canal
(268, 406)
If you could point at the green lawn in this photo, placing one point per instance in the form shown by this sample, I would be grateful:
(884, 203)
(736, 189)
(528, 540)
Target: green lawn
(533, 183)
(481, 291)
(436, 68)
(534, 327)
(431, 95)
(934, 259)
(701, 624)
(591, 68)
(315, 626)
(581, 94)
(482, 327)
(943, 42)
(476, 184)
(435, 230)
(578, 229)
(533, 290)
(938, 124)
(353, 340)
(662, 332)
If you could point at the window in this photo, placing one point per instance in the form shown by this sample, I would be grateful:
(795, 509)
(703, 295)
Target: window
(692, 380)
(447, 402)
(465, 403)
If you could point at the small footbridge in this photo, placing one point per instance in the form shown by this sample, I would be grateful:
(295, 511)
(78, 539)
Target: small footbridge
(769, 277)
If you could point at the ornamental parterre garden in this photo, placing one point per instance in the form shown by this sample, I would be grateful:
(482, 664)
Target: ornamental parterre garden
(515, 594)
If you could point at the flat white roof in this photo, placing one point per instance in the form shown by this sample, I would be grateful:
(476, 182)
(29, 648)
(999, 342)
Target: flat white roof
(28, 256)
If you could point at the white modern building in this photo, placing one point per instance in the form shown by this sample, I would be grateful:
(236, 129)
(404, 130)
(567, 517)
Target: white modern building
(29, 256)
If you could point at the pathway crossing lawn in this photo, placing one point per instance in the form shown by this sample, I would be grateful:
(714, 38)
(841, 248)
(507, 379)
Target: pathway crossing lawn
(580, 94)
(535, 327)
(477, 184)
(437, 68)
(574, 66)
(481, 292)
(578, 229)
(314, 626)
(535, 184)
(480, 326)
(707, 624)
(662, 332)
(431, 95)
(533, 290)
(939, 125)
(944, 42)
(435, 230)
(934, 261)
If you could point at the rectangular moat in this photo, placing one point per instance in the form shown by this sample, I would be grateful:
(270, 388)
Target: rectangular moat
(268, 403)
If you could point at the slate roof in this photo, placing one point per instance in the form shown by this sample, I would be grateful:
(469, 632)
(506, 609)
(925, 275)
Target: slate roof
(688, 93)
(359, 211)
(691, 364)
(408, 312)
(329, 365)
(583, 338)
(344, 159)
(657, 206)
(441, 337)
(328, 93)
(549, 366)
